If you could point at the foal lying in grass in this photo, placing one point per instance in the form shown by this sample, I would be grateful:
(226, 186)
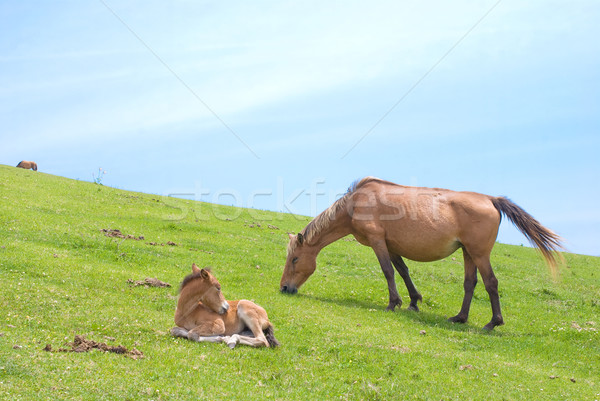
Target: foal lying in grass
(203, 314)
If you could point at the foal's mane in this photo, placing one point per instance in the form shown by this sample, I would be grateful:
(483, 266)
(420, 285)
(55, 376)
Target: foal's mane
(191, 277)
(322, 221)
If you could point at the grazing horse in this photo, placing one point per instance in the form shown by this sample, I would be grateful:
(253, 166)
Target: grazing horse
(203, 314)
(420, 224)
(27, 165)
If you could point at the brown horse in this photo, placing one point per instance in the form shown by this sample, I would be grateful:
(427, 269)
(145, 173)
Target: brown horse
(27, 165)
(421, 224)
(203, 314)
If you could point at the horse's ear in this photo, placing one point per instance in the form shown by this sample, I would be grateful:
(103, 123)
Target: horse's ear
(291, 236)
(300, 238)
(204, 273)
(195, 268)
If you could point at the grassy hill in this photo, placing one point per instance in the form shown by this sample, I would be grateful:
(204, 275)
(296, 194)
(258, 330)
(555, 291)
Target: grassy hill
(61, 276)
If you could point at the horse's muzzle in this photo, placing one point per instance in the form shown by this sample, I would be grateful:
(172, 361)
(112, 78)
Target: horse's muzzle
(288, 289)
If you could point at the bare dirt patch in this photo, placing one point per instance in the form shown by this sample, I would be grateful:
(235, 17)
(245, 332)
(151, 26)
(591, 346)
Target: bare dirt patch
(170, 243)
(148, 282)
(81, 344)
(115, 233)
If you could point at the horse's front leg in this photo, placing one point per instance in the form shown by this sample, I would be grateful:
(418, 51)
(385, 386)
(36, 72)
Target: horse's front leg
(195, 335)
(211, 331)
(179, 332)
(469, 287)
(380, 249)
(402, 269)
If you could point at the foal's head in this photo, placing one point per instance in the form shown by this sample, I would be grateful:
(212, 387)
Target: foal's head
(204, 287)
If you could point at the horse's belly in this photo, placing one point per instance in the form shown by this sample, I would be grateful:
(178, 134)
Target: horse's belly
(424, 250)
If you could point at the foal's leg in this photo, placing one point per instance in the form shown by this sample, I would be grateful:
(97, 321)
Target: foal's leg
(191, 335)
(179, 332)
(210, 331)
(469, 287)
(251, 341)
(254, 317)
(383, 256)
(412, 291)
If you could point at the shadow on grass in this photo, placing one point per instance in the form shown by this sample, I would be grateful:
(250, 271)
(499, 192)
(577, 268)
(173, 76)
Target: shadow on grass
(435, 320)
(348, 303)
(426, 318)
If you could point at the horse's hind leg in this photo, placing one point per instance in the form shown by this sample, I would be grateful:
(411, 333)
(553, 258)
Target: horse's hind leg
(491, 285)
(469, 287)
(480, 261)
(402, 269)
(251, 341)
(255, 318)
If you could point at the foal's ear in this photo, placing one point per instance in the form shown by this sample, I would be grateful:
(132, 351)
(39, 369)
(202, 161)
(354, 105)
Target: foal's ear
(300, 238)
(195, 268)
(204, 273)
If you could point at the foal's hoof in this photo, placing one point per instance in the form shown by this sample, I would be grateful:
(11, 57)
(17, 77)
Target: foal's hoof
(413, 307)
(232, 341)
(179, 332)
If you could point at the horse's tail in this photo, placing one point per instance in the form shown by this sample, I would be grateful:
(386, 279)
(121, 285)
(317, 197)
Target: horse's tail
(547, 241)
(19, 165)
(270, 335)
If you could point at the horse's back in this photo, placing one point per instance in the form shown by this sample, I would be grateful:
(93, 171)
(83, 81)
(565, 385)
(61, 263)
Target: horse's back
(420, 223)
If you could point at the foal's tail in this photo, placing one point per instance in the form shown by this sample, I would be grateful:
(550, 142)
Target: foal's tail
(270, 335)
(547, 241)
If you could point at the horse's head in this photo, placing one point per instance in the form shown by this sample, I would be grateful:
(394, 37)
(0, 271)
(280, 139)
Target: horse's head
(300, 264)
(202, 285)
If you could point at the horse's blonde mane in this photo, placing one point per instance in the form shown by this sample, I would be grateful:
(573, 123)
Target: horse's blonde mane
(322, 221)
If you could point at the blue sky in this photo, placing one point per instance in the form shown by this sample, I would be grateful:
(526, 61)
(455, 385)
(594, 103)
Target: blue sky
(281, 105)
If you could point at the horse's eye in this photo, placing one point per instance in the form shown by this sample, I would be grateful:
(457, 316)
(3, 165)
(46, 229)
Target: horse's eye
(295, 260)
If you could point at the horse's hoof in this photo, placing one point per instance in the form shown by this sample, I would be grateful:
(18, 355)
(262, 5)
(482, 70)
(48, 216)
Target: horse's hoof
(490, 326)
(457, 319)
(392, 306)
(413, 307)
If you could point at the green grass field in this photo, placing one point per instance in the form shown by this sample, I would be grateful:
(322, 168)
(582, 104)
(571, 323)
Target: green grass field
(61, 276)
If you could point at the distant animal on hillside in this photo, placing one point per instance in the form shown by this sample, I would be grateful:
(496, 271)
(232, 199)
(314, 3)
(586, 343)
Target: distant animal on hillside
(203, 314)
(421, 224)
(28, 165)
